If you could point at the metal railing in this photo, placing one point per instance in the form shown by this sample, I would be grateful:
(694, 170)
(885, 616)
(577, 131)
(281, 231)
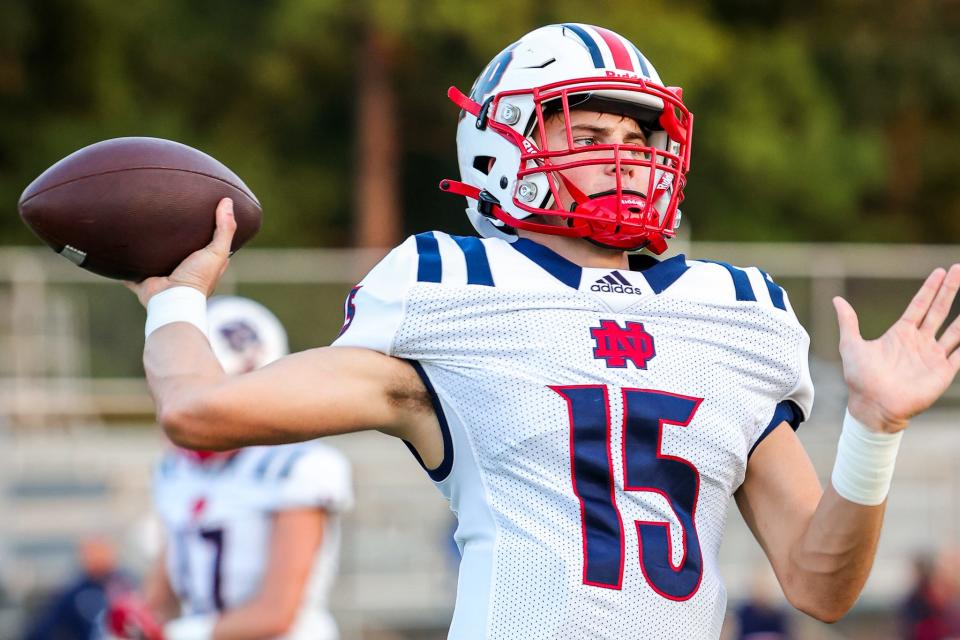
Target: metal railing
(47, 318)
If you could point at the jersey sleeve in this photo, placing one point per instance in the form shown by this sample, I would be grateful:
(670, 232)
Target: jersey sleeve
(375, 308)
(802, 392)
(314, 475)
(796, 404)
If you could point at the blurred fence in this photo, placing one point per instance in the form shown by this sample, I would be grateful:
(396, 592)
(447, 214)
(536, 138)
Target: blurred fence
(75, 424)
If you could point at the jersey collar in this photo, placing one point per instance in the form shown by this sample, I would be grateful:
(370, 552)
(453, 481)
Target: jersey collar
(659, 274)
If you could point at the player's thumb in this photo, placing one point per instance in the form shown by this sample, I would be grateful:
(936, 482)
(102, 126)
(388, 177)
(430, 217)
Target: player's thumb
(847, 320)
(226, 226)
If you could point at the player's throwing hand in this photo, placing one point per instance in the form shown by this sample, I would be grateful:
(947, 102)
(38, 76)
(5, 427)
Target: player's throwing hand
(202, 269)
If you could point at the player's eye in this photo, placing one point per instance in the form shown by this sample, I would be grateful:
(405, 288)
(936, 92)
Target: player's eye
(584, 141)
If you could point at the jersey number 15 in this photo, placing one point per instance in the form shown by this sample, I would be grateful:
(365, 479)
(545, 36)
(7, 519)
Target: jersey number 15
(645, 468)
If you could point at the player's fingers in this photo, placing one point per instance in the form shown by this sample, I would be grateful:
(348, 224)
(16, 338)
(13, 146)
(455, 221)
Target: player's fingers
(918, 307)
(950, 339)
(847, 321)
(145, 289)
(226, 226)
(942, 302)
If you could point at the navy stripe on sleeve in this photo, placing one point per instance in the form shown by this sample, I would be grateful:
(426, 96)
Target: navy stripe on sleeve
(430, 267)
(443, 470)
(478, 266)
(741, 282)
(786, 411)
(776, 292)
(287, 467)
(261, 469)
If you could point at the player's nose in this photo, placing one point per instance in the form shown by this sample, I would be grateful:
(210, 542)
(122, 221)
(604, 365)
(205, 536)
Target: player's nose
(615, 164)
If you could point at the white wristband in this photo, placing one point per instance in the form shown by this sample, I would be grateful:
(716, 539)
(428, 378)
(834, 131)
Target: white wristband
(865, 461)
(177, 304)
(199, 627)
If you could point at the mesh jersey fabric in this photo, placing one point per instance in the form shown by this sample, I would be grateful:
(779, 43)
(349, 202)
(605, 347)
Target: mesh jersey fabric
(599, 421)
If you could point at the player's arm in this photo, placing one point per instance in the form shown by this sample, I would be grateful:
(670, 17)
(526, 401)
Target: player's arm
(303, 396)
(822, 543)
(297, 536)
(158, 594)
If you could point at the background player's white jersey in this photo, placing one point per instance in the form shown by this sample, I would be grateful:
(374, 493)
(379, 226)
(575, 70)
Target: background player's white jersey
(218, 520)
(596, 423)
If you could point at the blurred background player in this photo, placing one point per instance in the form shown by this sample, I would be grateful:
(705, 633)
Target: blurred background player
(72, 611)
(252, 535)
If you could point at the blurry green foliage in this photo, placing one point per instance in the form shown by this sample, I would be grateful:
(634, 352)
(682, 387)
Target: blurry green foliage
(831, 120)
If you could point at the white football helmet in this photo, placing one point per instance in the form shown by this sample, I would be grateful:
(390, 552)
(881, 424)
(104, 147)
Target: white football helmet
(508, 172)
(244, 334)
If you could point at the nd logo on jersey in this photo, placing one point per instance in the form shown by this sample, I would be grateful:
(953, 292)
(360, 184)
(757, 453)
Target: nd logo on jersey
(616, 345)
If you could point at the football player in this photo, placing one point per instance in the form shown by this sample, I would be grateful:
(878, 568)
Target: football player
(588, 410)
(252, 534)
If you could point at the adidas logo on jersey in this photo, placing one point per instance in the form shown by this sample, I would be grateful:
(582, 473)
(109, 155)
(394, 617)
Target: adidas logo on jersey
(614, 282)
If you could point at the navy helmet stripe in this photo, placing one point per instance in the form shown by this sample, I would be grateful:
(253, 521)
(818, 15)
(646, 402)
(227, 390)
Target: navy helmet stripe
(741, 282)
(553, 263)
(430, 267)
(776, 293)
(478, 266)
(663, 274)
(643, 61)
(591, 44)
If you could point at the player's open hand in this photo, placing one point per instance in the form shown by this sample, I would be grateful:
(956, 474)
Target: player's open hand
(203, 268)
(904, 371)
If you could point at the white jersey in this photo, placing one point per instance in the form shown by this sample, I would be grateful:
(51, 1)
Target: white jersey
(218, 520)
(596, 424)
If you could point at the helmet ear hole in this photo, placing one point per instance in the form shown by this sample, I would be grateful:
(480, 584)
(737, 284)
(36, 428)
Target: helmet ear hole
(483, 164)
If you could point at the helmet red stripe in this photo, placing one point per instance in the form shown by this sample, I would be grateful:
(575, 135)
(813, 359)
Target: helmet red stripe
(621, 57)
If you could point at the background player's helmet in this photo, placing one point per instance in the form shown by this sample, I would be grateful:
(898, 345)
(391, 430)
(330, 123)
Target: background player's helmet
(244, 334)
(508, 173)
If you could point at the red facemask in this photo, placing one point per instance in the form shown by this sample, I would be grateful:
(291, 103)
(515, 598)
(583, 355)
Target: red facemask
(621, 218)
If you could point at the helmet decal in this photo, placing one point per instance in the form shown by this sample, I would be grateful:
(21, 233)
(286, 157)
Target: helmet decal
(490, 78)
(244, 335)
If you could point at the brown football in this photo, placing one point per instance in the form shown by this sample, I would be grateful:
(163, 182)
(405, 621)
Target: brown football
(131, 208)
